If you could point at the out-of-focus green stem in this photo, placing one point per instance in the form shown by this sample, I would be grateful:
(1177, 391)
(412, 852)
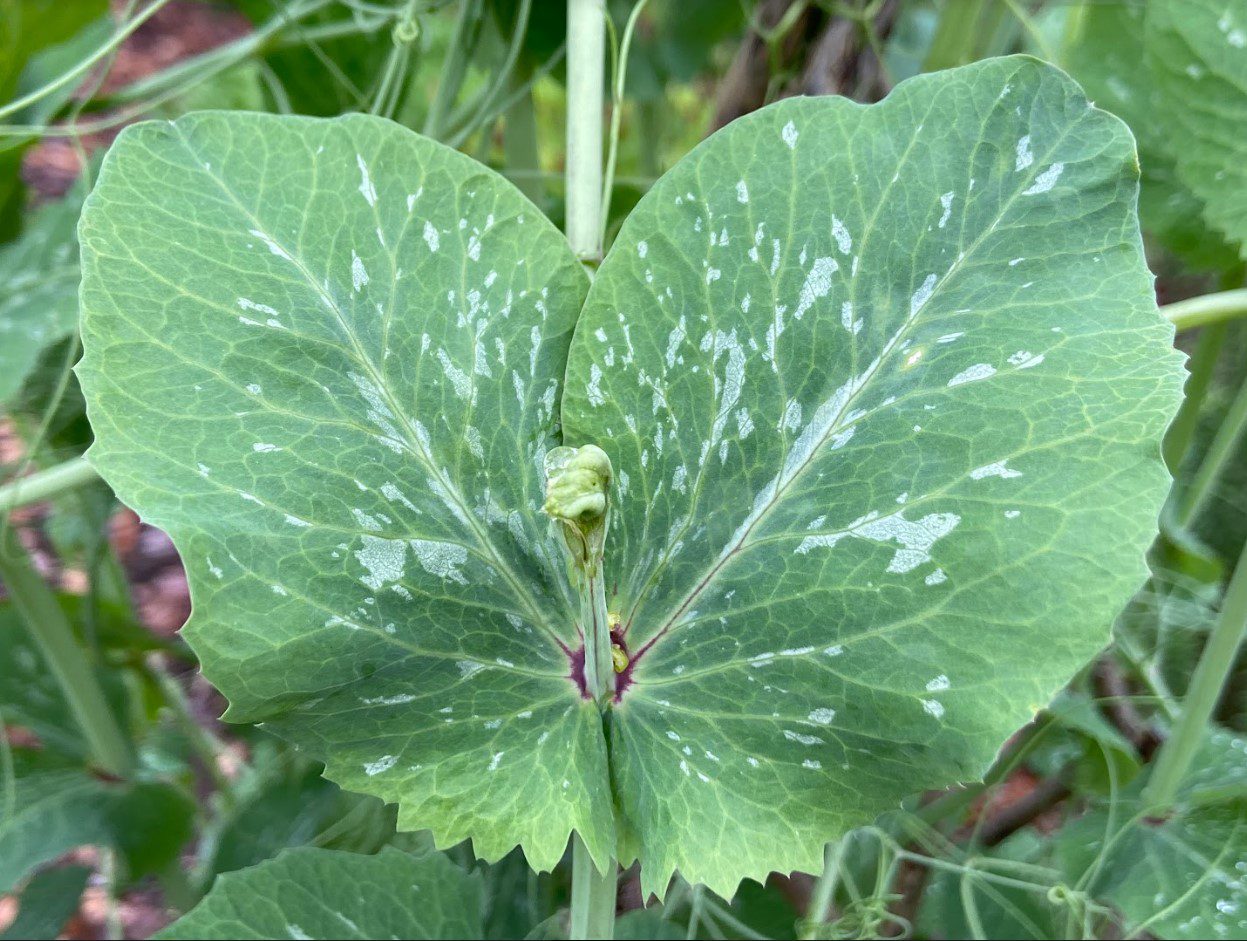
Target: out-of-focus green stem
(1203, 362)
(1207, 309)
(46, 483)
(953, 43)
(52, 634)
(593, 897)
(1220, 453)
(1178, 751)
(586, 68)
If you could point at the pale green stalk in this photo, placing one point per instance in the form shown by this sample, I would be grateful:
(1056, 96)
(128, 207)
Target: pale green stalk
(1206, 309)
(1178, 752)
(593, 892)
(50, 630)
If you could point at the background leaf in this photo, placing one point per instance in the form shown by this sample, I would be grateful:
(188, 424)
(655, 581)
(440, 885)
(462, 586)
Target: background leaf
(315, 893)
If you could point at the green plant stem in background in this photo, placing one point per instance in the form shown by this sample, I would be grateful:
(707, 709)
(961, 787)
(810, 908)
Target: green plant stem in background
(953, 43)
(1202, 695)
(593, 894)
(51, 632)
(618, 79)
(519, 138)
(1207, 309)
(46, 483)
(1220, 453)
(462, 40)
(1201, 365)
(586, 60)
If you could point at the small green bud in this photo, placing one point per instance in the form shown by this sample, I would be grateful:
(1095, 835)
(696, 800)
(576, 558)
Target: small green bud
(577, 498)
(577, 483)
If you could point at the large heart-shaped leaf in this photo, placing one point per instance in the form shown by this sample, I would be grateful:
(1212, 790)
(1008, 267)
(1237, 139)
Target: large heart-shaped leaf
(326, 357)
(884, 388)
(314, 893)
(1197, 51)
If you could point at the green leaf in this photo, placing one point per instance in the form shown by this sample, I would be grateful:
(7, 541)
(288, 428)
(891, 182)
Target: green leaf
(883, 388)
(315, 893)
(1178, 877)
(326, 357)
(54, 807)
(1109, 59)
(1197, 52)
(38, 290)
(49, 900)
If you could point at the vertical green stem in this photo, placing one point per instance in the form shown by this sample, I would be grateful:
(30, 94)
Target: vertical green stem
(593, 895)
(55, 639)
(593, 892)
(520, 137)
(599, 671)
(953, 43)
(1207, 682)
(824, 891)
(1203, 362)
(467, 26)
(586, 71)
(1219, 455)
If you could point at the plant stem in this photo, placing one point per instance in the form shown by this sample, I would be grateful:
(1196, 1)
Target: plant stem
(462, 41)
(586, 61)
(953, 43)
(1202, 364)
(593, 894)
(46, 483)
(52, 634)
(617, 96)
(599, 671)
(1220, 454)
(519, 138)
(1178, 751)
(824, 890)
(1207, 309)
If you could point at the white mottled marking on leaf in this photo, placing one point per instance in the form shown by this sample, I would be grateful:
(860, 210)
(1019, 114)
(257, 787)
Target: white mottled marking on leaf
(742, 192)
(947, 202)
(1024, 158)
(921, 296)
(359, 275)
(458, 378)
(366, 189)
(382, 764)
(937, 577)
(441, 558)
(1045, 181)
(823, 716)
(844, 241)
(789, 135)
(915, 537)
(474, 248)
(973, 374)
(938, 684)
(812, 764)
(272, 245)
(802, 738)
(933, 708)
(1012, 514)
(1023, 359)
(431, 237)
(996, 469)
(817, 284)
(398, 700)
(950, 337)
(385, 560)
(594, 387)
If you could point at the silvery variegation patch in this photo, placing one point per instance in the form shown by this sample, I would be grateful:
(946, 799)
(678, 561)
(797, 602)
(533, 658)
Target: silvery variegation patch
(881, 390)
